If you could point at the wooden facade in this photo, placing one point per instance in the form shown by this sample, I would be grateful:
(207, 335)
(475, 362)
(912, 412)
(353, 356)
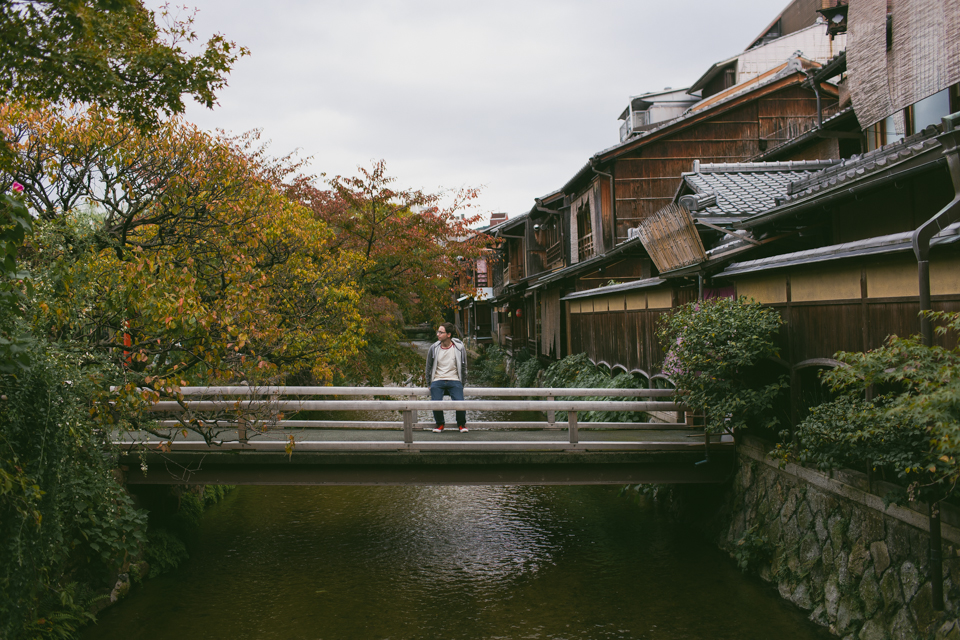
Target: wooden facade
(647, 173)
(620, 329)
(593, 288)
(851, 306)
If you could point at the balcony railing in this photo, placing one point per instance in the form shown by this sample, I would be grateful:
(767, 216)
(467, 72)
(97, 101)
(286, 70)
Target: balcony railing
(585, 247)
(554, 255)
(634, 121)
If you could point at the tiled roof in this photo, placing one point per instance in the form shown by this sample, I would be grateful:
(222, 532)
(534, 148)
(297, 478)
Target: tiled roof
(862, 165)
(892, 243)
(616, 288)
(746, 188)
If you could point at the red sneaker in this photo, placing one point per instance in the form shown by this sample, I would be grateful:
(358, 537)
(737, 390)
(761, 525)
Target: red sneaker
(463, 428)
(438, 429)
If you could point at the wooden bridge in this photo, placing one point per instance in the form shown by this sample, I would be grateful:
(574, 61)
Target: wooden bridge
(286, 435)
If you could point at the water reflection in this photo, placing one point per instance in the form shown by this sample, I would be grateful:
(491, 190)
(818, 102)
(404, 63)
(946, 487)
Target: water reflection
(448, 562)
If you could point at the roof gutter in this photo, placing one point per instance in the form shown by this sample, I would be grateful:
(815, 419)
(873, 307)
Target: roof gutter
(844, 194)
(949, 140)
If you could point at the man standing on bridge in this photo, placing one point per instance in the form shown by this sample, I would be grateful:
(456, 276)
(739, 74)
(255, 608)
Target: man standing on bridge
(446, 373)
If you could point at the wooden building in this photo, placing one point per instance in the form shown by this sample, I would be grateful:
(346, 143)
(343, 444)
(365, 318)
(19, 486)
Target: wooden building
(774, 185)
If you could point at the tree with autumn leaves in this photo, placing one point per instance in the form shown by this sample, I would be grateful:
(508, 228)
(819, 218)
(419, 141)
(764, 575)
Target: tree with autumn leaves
(416, 248)
(174, 253)
(173, 257)
(189, 258)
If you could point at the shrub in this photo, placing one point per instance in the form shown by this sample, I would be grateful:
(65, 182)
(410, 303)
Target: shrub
(527, 373)
(490, 367)
(912, 430)
(64, 519)
(164, 551)
(577, 372)
(714, 352)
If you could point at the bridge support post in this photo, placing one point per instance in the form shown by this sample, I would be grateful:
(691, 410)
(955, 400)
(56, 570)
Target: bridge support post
(551, 416)
(574, 429)
(407, 426)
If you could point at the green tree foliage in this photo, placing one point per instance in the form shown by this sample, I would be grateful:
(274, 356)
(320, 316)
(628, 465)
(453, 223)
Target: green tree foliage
(909, 428)
(15, 224)
(175, 253)
(416, 248)
(110, 53)
(714, 349)
(64, 518)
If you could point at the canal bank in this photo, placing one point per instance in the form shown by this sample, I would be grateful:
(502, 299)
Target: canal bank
(831, 545)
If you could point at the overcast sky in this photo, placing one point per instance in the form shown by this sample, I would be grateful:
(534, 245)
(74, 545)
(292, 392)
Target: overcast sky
(513, 97)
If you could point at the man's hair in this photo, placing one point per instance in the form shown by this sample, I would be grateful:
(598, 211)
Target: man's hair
(449, 328)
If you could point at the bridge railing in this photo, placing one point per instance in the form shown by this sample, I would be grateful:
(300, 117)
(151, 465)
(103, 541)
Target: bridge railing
(262, 409)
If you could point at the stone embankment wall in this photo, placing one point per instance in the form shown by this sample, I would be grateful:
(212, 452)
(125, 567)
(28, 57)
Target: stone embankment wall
(831, 546)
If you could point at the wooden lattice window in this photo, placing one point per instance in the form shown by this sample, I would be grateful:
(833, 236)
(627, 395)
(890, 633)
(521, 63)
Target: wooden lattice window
(584, 232)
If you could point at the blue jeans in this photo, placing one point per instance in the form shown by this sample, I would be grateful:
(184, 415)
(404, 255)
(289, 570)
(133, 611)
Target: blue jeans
(452, 388)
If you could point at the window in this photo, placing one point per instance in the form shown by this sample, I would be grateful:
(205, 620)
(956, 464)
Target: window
(929, 110)
(584, 232)
(913, 119)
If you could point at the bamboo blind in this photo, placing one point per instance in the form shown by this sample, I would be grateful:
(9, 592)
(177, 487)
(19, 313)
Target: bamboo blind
(671, 239)
(924, 58)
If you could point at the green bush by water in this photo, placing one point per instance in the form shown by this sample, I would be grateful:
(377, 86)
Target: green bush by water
(577, 372)
(489, 368)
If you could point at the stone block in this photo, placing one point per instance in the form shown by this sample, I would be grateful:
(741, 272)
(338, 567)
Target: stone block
(922, 608)
(831, 597)
(890, 589)
(951, 567)
(909, 580)
(765, 573)
(792, 559)
(873, 630)
(837, 526)
(774, 530)
(801, 596)
(819, 616)
(870, 593)
(789, 507)
(902, 627)
(949, 631)
(820, 526)
(791, 532)
(826, 557)
(785, 587)
(855, 528)
(859, 557)
(843, 574)
(898, 544)
(817, 577)
(849, 615)
(871, 527)
(880, 555)
(804, 516)
(809, 550)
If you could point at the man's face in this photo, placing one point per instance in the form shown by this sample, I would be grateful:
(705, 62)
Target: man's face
(442, 334)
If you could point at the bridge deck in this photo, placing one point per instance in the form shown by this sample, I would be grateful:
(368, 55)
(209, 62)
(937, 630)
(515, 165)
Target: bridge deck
(238, 450)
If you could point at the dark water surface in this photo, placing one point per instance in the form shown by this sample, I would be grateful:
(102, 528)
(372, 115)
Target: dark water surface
(448, 562)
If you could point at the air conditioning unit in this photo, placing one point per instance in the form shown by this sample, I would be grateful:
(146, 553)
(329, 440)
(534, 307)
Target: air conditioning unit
(633, 233)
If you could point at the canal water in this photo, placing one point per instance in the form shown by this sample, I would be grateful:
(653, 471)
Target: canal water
(448, 562)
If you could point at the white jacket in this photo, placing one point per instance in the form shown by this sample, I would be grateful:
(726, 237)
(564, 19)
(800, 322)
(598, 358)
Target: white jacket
(461, 360)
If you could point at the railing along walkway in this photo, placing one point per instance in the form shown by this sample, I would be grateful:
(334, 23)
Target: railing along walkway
(256, 418)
